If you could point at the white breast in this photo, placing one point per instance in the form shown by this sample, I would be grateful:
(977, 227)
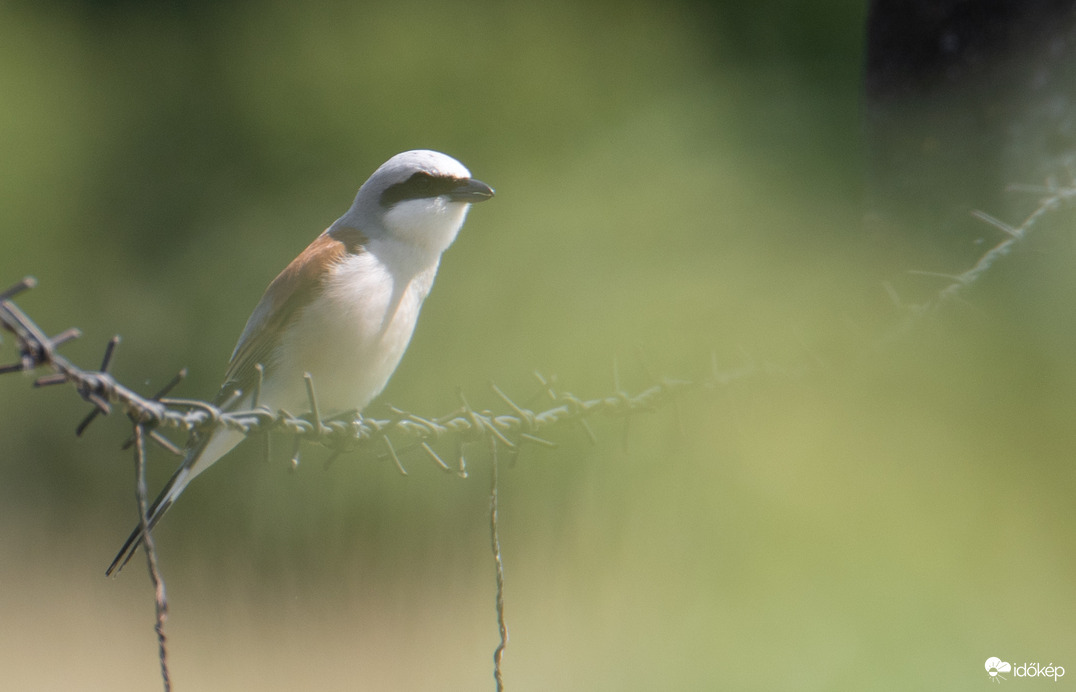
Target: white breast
(352, 337)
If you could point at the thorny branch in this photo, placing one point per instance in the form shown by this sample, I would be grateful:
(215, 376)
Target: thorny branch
(161, 413)
(498, 563)
(1053, 197)
(159, 599)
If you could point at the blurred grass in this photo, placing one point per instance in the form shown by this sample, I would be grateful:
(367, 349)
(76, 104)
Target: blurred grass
(673, 181)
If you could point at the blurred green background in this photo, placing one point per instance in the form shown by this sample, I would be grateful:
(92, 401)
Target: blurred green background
(675, 182)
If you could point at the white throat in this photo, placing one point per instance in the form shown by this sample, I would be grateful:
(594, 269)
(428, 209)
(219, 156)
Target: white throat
(429, 224)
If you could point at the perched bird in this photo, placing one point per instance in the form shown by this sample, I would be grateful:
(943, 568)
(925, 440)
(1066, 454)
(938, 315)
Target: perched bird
(343, 310)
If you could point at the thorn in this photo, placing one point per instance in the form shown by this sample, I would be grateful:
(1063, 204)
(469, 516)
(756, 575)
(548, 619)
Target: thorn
(547, 384)
(461, 460)
(235, 396)
(164, 442)
(435, 429)
(491, 425)
(315, 415)
(296, 426)
(589, 431)
(476, 424)
(102, 405)
(211, 413)
(463, 400)
(179, 377)
(65, 336)
(433, 455)
(526, 417)
(295, 454)
(1000, 225)
(90, 417)
(482, 422)
(110, 349)
(392, 454)
(537, 440)
(27, 282)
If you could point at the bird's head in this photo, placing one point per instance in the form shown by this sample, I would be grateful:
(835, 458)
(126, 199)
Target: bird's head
(420, 197)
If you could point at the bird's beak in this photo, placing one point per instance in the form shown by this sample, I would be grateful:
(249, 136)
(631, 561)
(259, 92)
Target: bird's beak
(471, 191)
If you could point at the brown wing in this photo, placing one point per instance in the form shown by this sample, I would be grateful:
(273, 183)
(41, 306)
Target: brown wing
(293, 289)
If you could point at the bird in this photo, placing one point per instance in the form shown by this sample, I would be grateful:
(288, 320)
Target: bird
(343, 310)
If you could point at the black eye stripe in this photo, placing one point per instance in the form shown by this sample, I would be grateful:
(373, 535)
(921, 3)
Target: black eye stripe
(418, 186)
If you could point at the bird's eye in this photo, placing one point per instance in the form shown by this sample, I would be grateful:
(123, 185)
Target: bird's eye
(421, 182)
(419, 185)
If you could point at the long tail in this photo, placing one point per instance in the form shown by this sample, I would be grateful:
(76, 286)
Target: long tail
(199, 458)
(171, 491)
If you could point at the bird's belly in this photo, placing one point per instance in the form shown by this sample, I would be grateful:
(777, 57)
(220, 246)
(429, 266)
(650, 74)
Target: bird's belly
(350, 341)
